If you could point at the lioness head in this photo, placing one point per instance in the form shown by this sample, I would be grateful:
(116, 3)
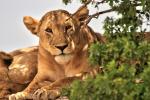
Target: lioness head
(60, 33)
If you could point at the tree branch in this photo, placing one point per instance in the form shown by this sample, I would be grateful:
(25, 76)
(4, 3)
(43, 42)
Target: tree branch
(97, 14)
(102, 12)
(101, 2)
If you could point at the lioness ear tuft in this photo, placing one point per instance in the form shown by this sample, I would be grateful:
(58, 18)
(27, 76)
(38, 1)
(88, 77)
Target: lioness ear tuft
(82, 13)
(31, 24)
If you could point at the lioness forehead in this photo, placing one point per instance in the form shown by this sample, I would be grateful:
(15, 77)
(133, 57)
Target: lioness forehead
(56, 15)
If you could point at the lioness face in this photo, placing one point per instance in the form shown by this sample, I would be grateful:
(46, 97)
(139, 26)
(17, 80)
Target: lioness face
(58, 32)
(55, 32)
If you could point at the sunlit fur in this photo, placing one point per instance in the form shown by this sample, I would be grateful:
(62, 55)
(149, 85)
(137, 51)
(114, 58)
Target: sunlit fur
(62, 53)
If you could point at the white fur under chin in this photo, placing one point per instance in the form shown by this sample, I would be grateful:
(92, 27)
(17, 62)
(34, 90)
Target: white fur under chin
(63, 59)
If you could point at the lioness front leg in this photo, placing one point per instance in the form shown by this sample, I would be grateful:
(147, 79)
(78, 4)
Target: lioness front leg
(28, 92)
(52, 91)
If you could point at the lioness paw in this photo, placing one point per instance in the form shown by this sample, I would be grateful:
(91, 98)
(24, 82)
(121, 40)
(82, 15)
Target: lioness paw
(44, 94)
(20, 96)
(63, 98)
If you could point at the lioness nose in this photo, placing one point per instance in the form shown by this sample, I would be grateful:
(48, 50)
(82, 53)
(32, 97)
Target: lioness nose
(62, 47)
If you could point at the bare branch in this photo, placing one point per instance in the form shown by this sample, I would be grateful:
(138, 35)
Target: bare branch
(101, 2)
(97, 14)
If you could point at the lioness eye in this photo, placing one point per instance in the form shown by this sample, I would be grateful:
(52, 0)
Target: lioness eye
(48, 30)
(68, 27)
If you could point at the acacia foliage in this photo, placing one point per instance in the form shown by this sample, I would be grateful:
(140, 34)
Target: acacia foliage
(125, 57)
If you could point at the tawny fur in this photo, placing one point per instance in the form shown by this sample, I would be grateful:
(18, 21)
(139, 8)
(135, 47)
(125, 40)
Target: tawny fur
(6, 86)
(62, 53)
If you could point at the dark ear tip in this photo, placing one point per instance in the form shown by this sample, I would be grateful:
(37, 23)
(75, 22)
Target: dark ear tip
(7, 58)
(8, 61)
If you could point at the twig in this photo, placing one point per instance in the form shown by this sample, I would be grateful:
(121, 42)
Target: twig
(101, 2)
(97, 14)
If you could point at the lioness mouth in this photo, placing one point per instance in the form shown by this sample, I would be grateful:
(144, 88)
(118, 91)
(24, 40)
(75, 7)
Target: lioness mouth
(63, 58)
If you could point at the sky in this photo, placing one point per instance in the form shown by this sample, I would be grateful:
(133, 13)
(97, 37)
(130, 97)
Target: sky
(13, 33)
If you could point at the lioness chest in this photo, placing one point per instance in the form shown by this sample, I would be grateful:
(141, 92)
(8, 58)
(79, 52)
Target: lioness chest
(52, 70)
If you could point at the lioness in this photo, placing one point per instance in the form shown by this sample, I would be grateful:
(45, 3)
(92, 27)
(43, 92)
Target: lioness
(62, 53)
(17, 69)
(5, 61)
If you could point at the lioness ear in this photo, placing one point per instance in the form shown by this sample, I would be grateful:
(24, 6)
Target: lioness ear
(82, 13)
(31, 24)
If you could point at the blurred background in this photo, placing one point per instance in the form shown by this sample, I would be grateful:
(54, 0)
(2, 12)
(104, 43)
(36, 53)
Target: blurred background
(13, 33)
